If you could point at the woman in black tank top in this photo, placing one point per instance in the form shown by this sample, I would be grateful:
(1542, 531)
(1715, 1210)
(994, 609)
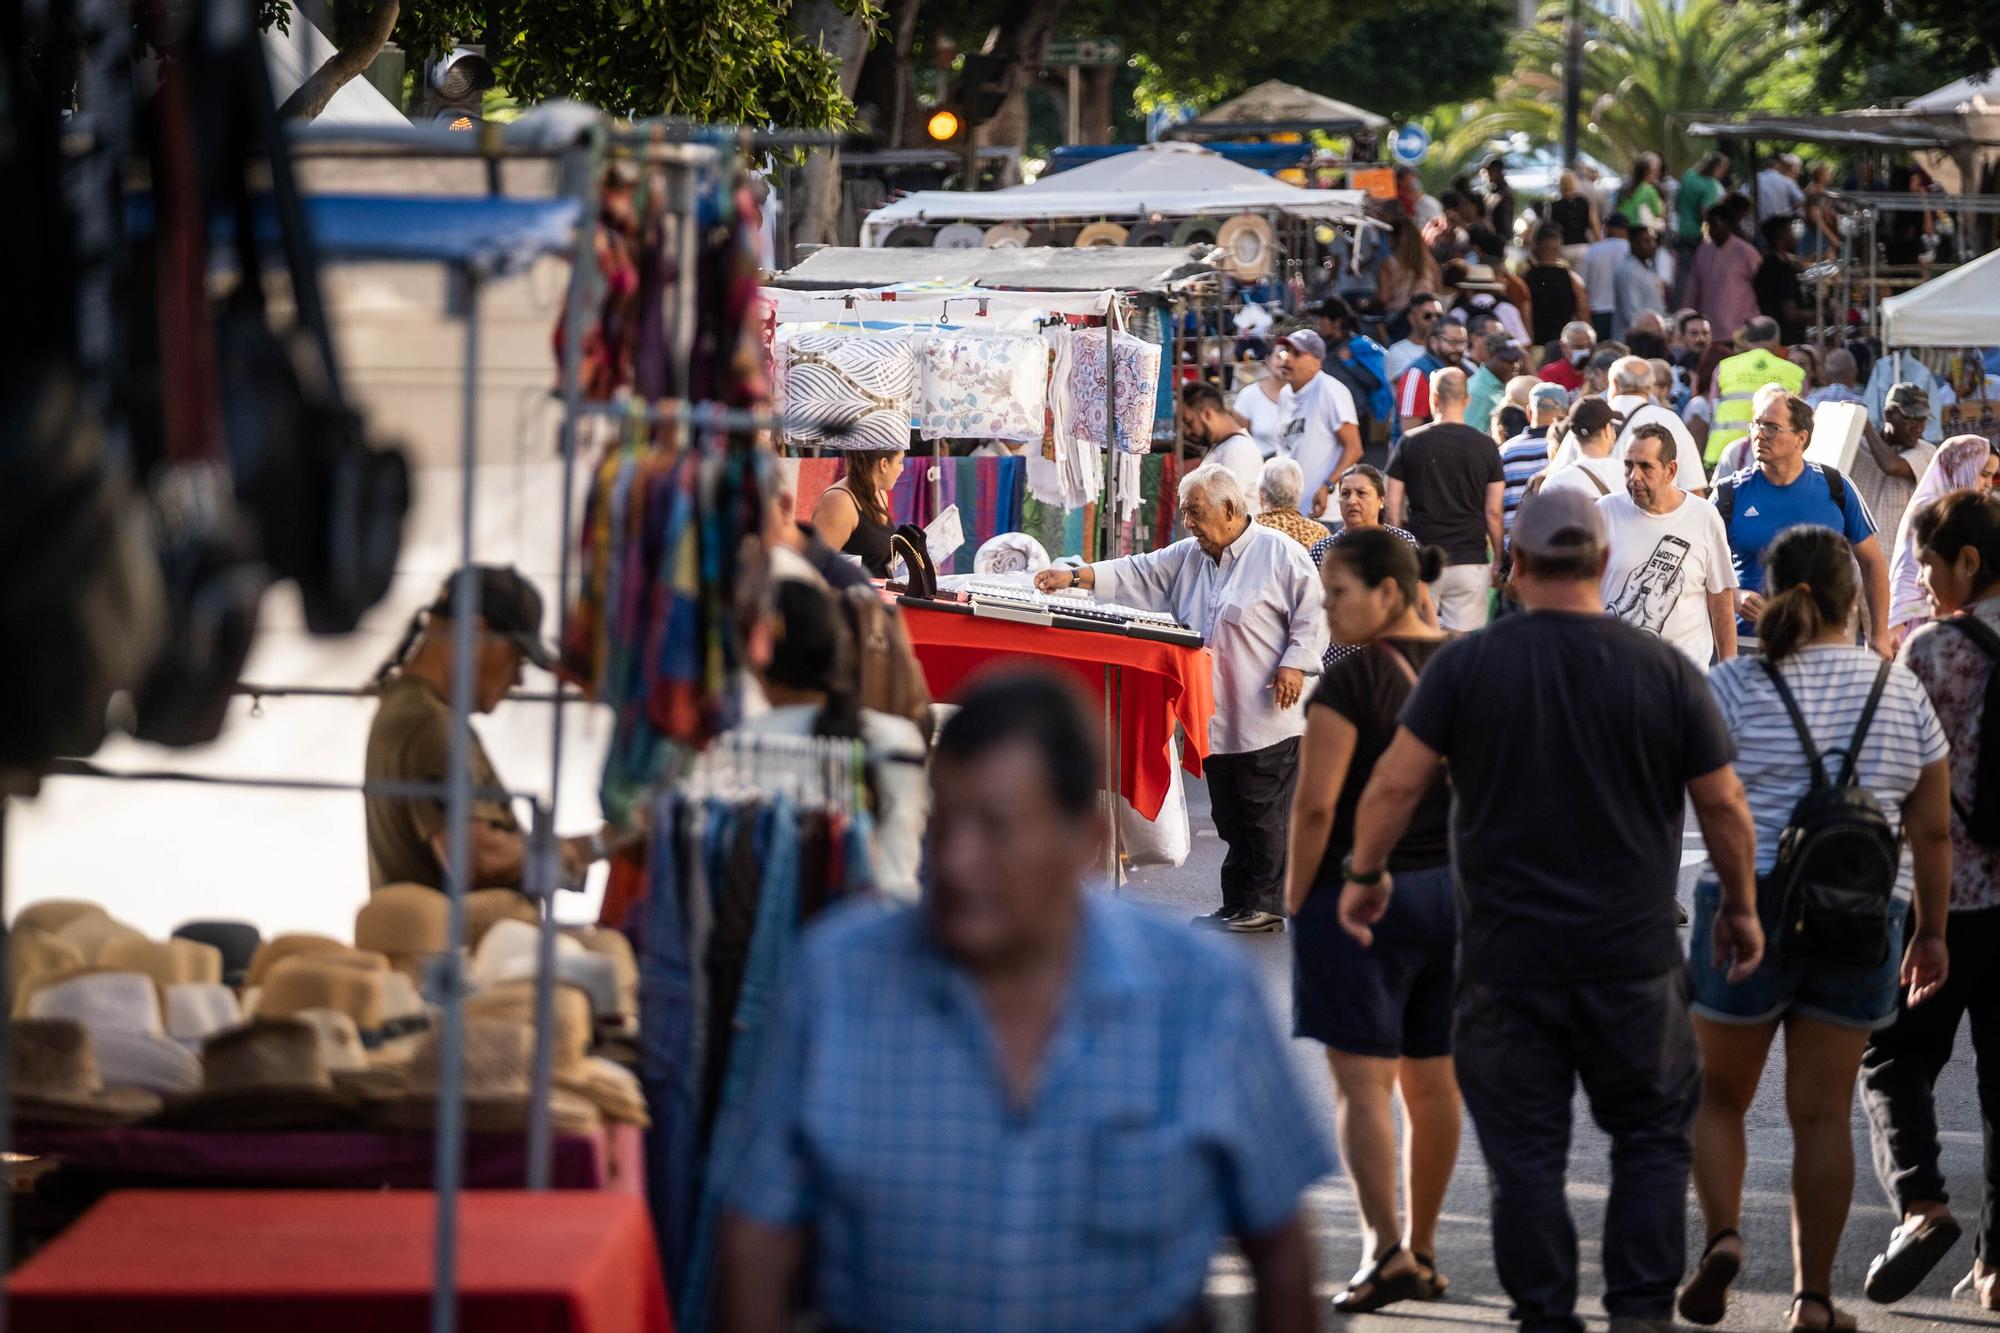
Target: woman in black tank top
(1571, 211)
(1551, 287)
(852, 515)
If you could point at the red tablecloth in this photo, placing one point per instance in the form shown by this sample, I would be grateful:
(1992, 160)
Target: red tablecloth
(220, 1261)
(1161, 683)
(611, 1158)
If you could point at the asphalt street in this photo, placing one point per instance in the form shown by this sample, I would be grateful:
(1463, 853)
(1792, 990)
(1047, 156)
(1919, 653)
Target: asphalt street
(1464, 1252)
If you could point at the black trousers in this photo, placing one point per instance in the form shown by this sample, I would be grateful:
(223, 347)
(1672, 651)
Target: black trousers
(1520, 1051)
(1902, 1063)
(1250, 797)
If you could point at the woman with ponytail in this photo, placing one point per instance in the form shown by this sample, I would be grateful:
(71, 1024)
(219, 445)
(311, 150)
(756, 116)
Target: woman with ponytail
(852, 515)
(802, 655)
(1827, 1013)
(1384, 1011)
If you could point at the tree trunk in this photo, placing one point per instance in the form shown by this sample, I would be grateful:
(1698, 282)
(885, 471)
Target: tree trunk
(1024, 40)
(886, 93)
(815, 203)
(356, 53)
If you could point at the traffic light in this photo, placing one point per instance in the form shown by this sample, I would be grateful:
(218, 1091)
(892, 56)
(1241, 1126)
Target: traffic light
(944, 125)
(455, 88)
(973, 98)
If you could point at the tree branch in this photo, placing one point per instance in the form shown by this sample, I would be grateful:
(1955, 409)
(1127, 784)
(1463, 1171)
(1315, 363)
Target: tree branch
(348, 61)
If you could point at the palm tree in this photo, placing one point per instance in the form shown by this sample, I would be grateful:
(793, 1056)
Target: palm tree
(1700, 55)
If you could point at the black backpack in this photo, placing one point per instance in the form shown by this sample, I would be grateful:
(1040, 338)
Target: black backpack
(1836, 490)
(1832, 884)
(1982, 820)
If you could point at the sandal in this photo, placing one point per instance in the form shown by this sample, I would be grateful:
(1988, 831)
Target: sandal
(1914, 1250)
(1440, 1284)
(1833, 1316)
(1705, 1299)
(1370, 1291)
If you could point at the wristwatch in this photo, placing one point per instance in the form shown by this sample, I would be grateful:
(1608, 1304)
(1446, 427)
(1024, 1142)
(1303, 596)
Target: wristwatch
(1367, 879)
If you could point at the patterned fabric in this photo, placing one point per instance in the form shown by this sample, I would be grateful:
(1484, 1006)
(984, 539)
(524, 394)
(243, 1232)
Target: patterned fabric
(1294, 525)
(1166, 1114)
(850, 392)
(1138, 369)
(983, 387)
(1954, 671)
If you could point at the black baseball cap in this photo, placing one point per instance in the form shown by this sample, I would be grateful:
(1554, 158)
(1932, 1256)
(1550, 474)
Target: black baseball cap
(510, 606)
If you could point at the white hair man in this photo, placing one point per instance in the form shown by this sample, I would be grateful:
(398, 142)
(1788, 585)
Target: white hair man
(1255, 597)
(1631, 397)
(1279, 488)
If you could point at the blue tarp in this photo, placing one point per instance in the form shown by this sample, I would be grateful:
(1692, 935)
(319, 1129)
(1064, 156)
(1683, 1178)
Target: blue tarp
(491, 233)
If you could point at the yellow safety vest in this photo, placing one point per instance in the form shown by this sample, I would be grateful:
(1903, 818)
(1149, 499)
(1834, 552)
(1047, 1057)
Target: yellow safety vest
(1737, 380)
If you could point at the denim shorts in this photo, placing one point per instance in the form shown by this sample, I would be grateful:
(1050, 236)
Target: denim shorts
(1847, 997)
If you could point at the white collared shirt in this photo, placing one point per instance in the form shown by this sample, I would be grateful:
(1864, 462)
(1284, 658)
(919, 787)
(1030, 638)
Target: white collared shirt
(1259, 609)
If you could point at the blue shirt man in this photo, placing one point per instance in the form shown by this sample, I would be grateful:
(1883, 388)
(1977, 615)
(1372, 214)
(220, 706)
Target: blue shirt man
(1782, 490)
(1020, 1106)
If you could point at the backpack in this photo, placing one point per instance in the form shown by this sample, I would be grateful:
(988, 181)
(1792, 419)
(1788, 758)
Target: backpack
(1834, 880)
(1982, 821)
(1836, 489)
(890, 678)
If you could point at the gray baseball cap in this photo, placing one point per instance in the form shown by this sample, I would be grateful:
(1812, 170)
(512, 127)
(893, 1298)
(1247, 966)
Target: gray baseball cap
(1559, 523)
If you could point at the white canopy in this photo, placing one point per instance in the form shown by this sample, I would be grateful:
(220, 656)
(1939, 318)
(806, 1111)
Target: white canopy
(1275, 102)
(1960, 94)
(1958, 309)
(1168, 179)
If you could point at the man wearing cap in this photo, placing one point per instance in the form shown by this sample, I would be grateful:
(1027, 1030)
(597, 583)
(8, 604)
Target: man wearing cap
(1321, 431)
(1526, 456)
(1484, 391)
(1891, 463)
(410, 740)
(1578, 784)
(1630, 396)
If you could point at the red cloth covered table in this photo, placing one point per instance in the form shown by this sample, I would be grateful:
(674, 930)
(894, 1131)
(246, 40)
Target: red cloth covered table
(1158, 684)
(220, 1261)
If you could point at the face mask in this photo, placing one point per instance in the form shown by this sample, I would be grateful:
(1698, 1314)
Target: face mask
(1577, 358)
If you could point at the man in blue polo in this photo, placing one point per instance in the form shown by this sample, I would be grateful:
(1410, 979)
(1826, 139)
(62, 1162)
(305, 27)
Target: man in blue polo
(1021, 1105)
(1782, 490)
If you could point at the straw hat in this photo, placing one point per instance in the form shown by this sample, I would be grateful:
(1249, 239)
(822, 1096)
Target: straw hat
(89, 934)
(122, 1011)
(238, 941)
(52, 914)
(36, 957)
(347, 1059)
(406, 923)
(277, 949)
(1481, 278)
(54, 1080)
(197, 1011)
(612, 1089)
(383, 1005)
(172, 963)
(497, 1081)
(269, 1074)
(484, 908)
(1006, 236)
(958, 236)
(512, 951)
(1197, 231)
(1247, 243)
(1099, 233)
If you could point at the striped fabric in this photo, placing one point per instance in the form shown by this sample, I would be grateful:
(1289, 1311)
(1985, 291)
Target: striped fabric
(1831, 683)
(849, 392)
(1520, 459)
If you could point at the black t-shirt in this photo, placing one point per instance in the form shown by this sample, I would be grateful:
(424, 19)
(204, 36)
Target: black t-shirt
(1446, 467)
(1570, 739)
(1777, 283)
(1368, 689)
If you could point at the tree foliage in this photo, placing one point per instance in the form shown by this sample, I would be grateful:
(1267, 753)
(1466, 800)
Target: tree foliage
(1408, 60)
(1703, 55)
(1957, 38)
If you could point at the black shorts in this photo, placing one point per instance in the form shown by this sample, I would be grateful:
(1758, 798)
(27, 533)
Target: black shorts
(1393, 998)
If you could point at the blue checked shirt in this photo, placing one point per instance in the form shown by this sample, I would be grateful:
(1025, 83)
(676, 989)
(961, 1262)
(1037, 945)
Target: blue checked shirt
(1165, 1116)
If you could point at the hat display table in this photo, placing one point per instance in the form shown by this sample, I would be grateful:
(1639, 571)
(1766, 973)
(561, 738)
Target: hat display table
(1151, 686)
(611, 1158)
(220, 1261)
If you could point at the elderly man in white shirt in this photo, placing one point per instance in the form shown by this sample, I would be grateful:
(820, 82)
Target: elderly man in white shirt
(1631, 397)
(1253, 594)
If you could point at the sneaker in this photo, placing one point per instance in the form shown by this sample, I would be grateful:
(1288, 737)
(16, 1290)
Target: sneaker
(1255, 923)
(1220, 917)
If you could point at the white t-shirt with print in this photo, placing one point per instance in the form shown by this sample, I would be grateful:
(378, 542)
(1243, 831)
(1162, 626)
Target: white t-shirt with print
(1310, 436)
(1663, 567)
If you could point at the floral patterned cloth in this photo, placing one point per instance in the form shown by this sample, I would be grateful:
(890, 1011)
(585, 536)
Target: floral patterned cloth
(1138, 371)
(983, 387)
(1954, 672)
(849, 390)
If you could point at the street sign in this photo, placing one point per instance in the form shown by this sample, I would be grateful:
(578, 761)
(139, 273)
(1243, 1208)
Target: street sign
(1083, 51)
(1412, 144)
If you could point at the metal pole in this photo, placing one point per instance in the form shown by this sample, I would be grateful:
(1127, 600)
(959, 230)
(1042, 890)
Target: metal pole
(6, 1055)
(1110, 551)
(458, 837)
(541, 885)
(1075, 125)
(1110, 788)
(1572, 78)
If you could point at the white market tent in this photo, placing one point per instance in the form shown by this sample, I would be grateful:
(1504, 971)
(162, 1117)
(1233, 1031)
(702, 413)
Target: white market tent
(1176, 180)
(1961, 94)
(1957, 309)
(1275, 104)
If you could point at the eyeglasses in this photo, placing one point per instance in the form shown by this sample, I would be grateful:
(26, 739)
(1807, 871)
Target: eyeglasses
(1763, 427)
(1425, 316)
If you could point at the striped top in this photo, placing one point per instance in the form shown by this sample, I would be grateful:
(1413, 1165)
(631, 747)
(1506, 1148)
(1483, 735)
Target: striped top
(1521, 459)
(1831, 683)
